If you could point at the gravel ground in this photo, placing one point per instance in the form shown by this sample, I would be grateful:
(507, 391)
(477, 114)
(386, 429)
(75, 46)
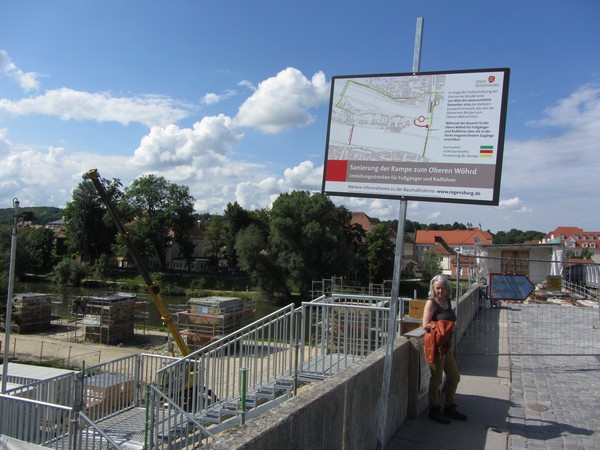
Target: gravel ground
(64, 346)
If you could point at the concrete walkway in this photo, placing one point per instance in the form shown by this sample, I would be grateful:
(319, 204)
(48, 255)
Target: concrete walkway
(517, 394)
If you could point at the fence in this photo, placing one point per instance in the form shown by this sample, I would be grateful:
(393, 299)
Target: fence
(339, 330)
(50, 352)
(555, 328)
(36, 422)
(239, 376)
(262, 364)
(262, 353)
(172, 428)
(59, 390)
(112, 387)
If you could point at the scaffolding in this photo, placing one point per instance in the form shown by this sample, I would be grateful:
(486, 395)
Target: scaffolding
(211, 318)
(31, 312)
(109, 319)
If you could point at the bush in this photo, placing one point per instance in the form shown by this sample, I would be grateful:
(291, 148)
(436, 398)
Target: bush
(69, 271)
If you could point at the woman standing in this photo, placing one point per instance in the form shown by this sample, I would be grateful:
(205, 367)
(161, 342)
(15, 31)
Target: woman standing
(438, 322)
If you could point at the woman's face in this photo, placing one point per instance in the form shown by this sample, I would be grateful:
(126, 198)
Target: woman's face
(439, 290)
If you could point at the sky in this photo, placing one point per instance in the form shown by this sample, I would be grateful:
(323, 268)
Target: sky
(231, 98)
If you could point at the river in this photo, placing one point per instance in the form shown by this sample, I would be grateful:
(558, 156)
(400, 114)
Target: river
(65, 294)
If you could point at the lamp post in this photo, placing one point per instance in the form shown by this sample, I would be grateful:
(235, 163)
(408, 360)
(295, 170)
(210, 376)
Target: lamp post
(9, 298)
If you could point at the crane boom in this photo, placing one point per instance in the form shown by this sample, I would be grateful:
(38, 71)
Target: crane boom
(153, 289)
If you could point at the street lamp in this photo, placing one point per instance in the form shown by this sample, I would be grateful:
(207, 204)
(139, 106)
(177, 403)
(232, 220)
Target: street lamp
(11, 277)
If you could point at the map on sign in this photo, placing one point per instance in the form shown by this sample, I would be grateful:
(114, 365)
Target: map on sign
(387, 114)
(432, 136)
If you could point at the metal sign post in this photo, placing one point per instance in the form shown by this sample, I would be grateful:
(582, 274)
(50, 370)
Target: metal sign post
(394, 306)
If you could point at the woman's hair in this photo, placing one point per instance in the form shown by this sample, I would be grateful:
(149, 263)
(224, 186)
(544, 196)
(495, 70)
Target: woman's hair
(443, 279)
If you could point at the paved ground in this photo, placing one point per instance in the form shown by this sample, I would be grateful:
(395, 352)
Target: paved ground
(530, 380)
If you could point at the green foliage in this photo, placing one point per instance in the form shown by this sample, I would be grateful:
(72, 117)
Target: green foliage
(90, 230)
(69, 271)
(235, 220)
(430, 265)
(251, 246)
(5, 240)
(35, 250)
(585, 253)
(310, 238)
(101, 269)
(380, 254)
(214, 236)
(155, 206)
(515, 236)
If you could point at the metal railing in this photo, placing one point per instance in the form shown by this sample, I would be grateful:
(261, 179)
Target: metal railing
(212, 374)
(266, 361)
(339, 330)
(90, 437)
(57, 390)
(195, 397)
(583, 290)
(117, 385)
(172, 428)
(36, 422)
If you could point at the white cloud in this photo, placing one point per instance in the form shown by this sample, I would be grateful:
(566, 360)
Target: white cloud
(573, 110)
(247, 84)
(68, 104)
(514, 204)
(510, 203)
(211, 98)
(283, 101)
(550, 180)
(26, 80)
(203, 145)
(304, 176)
(4, 142)
(46, 177)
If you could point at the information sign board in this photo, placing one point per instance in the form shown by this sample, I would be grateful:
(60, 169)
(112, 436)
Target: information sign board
(554, 283)
(510, 287)
(430, 136)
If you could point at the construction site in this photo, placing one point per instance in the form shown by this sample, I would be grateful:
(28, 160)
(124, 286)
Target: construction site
(210, 318)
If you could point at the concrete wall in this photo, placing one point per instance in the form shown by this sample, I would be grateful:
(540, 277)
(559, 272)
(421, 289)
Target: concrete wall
(342, 412)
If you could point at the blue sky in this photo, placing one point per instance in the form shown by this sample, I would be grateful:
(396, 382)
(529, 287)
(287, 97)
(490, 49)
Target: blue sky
(231, 97)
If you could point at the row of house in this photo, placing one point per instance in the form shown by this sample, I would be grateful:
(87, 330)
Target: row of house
(470, 252)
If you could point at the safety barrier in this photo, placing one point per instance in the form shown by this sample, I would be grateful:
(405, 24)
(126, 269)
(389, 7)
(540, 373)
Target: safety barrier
(36, 422)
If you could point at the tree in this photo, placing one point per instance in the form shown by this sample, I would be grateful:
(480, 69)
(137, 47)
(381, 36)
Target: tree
(89, 228)
(254, 258)
(430, 265)
(310, 238)
(236, 219)
(214, 238)
(160, 213)
(380, 254)
(69, 271)
(515, 236)
(5, 242)
(35, 250)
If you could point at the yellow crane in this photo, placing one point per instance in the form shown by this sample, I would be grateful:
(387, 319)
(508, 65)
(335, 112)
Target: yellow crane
(153, 289)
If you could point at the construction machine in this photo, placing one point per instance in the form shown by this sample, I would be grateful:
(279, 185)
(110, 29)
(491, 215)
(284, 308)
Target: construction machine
(153, 289)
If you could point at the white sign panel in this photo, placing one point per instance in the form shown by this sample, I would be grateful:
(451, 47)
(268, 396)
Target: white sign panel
(435, 136)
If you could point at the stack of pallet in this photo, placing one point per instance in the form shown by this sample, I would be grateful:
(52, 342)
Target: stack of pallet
(110, 318)
(210, 318)
(31, 312)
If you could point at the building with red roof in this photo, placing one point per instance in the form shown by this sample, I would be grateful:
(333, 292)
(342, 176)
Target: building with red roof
(576, 240)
